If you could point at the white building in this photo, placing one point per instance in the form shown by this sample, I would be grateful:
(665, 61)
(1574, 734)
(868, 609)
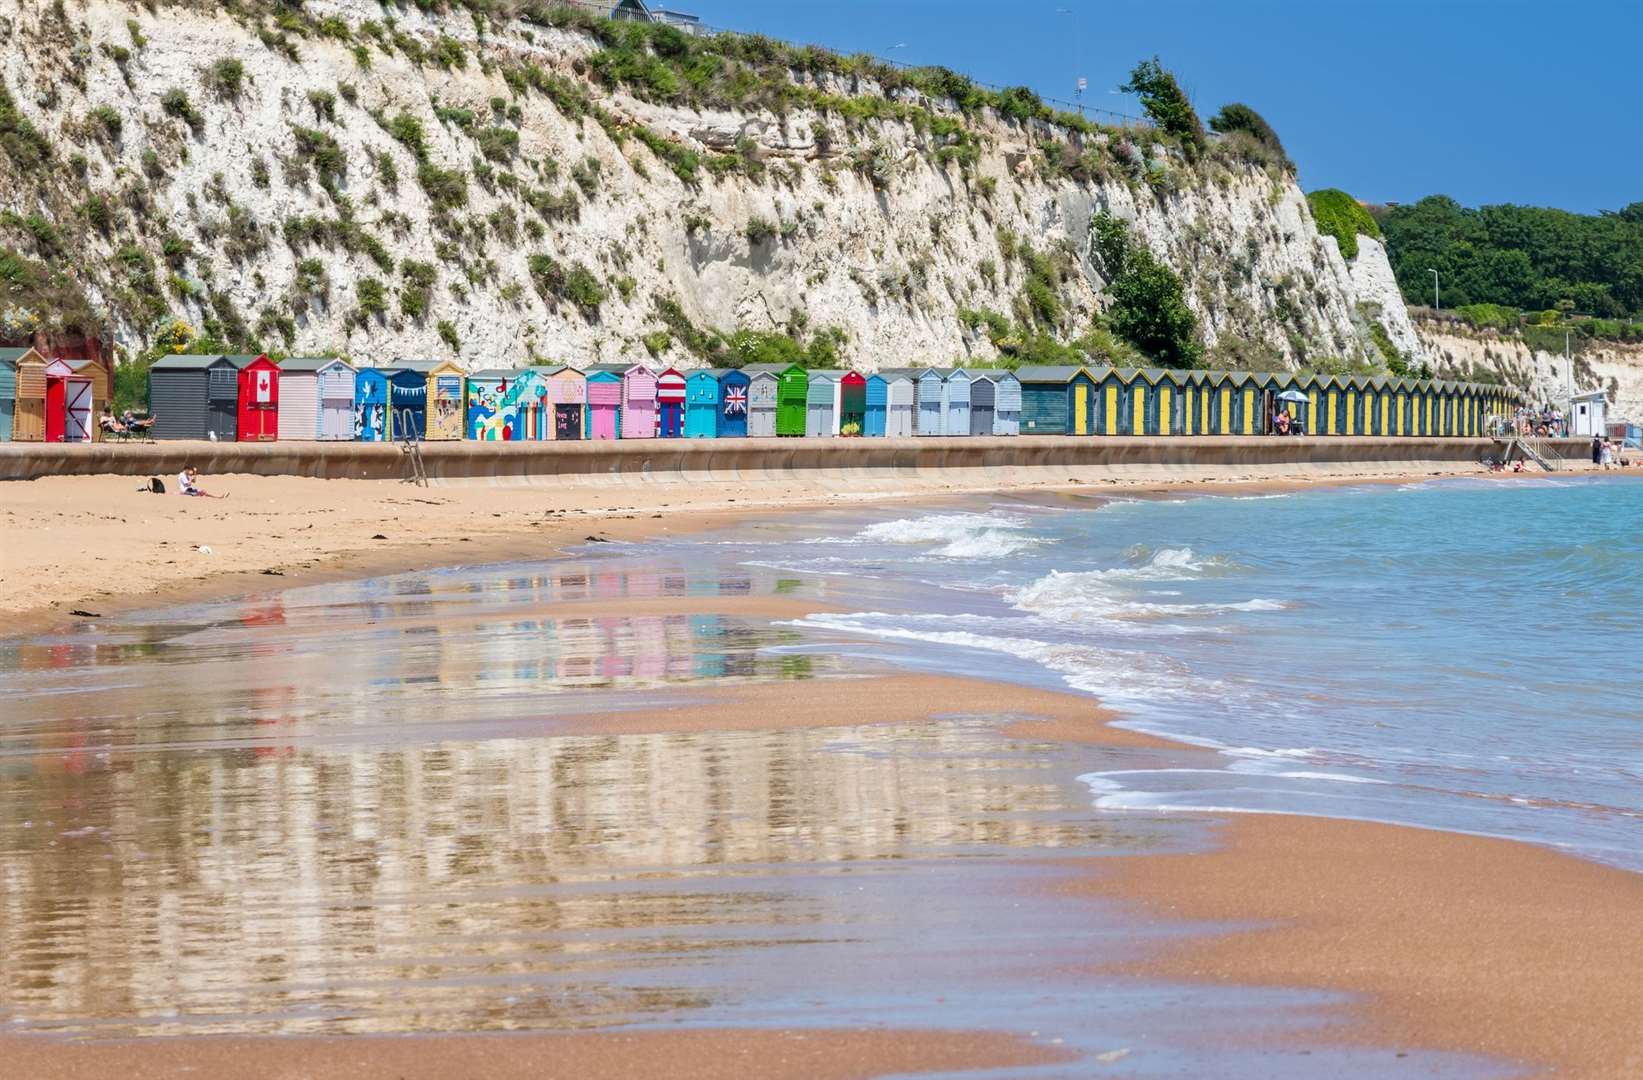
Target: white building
(1587, 413)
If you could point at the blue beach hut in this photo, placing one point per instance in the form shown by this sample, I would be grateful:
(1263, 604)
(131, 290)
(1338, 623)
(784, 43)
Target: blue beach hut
(702, 391)
(929, 391)
(1056, 399)
(371, 405)
(878, 403)
(733, 404)
(408, 399)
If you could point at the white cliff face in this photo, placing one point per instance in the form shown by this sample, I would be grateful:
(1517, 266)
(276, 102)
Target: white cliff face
(891, 265)
(1546, 378)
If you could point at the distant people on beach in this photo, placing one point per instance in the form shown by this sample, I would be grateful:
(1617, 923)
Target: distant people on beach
(188, 484)
(1280, 422)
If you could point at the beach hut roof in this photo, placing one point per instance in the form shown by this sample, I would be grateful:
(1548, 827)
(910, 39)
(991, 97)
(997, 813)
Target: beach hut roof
(186, 362)
(424, 366)
(1050, 373)
(11, 356)
(309, 363)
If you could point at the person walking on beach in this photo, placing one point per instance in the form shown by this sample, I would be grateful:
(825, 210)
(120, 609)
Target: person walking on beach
(187, 484)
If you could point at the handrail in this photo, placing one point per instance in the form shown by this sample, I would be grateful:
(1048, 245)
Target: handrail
(411, 445)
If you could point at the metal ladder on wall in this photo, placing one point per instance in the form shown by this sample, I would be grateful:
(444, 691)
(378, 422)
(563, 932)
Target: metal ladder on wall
(412, 448)
(1537, 451)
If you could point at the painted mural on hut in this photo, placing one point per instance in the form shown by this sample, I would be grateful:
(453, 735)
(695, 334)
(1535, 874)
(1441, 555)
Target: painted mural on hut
(505, 410)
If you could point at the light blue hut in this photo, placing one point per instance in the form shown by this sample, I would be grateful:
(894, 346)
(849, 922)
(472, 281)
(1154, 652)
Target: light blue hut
(955, 402)
(927, 391)
(702, 404)
(8, 389)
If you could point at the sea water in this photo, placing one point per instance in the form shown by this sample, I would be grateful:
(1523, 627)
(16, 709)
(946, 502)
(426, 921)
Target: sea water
(1456, 654)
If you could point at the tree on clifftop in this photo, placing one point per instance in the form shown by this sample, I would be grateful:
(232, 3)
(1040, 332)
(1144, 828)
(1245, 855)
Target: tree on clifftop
(1238, 117)
(1166, 103)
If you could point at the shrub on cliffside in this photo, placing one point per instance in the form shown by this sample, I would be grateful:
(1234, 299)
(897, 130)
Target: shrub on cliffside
(1339, 215)
(1239, 119)
(1166, 103)
(1149, 307)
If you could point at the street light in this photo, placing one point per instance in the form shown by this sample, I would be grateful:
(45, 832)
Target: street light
(1435, 303)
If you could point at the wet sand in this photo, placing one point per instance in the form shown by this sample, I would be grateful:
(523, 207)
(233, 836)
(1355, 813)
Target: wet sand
(678, 1055)
(1460, 943)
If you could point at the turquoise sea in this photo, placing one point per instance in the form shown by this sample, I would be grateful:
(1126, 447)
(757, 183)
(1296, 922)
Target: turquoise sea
(1459, 654)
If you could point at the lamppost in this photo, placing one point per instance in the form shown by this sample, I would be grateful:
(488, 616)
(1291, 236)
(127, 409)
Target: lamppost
(1435, 302)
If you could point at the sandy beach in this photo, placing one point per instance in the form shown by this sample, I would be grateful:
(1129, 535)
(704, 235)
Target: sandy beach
(98, 544)
(1452, 943)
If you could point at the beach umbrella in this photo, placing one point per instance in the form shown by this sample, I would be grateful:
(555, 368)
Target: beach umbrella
(1293, 395)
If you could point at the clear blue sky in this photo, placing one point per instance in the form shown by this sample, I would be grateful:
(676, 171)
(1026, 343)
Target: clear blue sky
(1486, 100)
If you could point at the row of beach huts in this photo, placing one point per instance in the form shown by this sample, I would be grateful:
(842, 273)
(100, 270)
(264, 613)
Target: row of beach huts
(252, 398)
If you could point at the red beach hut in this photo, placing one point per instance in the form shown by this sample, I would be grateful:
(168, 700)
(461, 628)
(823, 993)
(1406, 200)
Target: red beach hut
(259, 407)
(670, 404)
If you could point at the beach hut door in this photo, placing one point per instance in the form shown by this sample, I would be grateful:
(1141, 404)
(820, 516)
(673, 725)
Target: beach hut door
(76, 410)
(1081, 409)
(567, 422)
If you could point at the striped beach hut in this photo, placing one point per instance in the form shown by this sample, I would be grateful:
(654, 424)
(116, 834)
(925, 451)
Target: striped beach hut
(445, 400)
(604, 404)
(1110, 401)
(792, 400)
(852, 403)
(1057, 399)
(257, 410)
(371, 405)
(564, 403)
(8, 388)
(638, 402)
(732, 417)
(821, 417)
(670, 404)
(702, 392)
(301, 414)
(23, 370)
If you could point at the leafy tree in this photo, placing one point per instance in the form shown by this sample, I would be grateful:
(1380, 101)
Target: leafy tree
(1149, 308)
(1238, 117)
(1166, 103)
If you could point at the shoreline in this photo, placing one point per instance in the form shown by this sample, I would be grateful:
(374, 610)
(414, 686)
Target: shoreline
(1437, 932)
(370, 528)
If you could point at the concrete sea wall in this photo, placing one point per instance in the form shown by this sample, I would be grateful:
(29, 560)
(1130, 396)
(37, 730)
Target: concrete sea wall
(1181, 457)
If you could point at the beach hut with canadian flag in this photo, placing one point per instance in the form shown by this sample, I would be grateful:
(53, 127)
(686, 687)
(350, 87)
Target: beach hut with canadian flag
(670, 404)
(257, 416)
(733, 404)
(638, 403)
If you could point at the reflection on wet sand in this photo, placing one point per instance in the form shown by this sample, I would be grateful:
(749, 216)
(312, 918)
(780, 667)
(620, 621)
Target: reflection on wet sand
(244, 818)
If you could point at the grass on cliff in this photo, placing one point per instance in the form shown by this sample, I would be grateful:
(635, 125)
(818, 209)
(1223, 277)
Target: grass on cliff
(1339, 215)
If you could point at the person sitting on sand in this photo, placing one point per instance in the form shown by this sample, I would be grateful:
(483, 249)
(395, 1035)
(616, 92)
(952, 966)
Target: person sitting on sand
(187, 484)
(1517, 466)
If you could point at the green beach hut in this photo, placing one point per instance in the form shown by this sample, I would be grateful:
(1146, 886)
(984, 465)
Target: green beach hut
(792, 388)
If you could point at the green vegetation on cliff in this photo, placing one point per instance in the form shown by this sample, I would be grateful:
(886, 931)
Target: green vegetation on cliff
(1524, 257)
(1341, 216)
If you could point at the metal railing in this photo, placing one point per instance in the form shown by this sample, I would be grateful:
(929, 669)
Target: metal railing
(411, 445)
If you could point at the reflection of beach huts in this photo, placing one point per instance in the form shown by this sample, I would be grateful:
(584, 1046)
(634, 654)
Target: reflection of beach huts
(638, 403)
(564, 402)
(732, 414)
(8, 388)
(257, 405)
(852, 402)
(702, 390)
(792, 389)
(604, 403)
(1056, 399)
(671, 391)
(316, 399)
(445, 401)
(820, 415)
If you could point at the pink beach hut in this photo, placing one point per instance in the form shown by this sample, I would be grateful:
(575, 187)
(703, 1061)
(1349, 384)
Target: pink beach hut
(638, 403)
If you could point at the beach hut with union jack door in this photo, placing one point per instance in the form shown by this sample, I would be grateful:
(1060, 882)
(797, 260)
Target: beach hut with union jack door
(702, 391)
(852, 403)
(257, 417)
(733, 404)
(445, 400)
(670, 404)
(638, 403)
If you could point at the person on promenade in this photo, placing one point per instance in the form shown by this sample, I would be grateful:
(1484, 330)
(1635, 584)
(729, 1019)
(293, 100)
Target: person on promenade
(137, 425)
(187, 484)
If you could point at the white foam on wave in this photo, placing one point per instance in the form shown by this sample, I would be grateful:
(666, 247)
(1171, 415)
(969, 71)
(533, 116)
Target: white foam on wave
(933, 528)
(1078, 594)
